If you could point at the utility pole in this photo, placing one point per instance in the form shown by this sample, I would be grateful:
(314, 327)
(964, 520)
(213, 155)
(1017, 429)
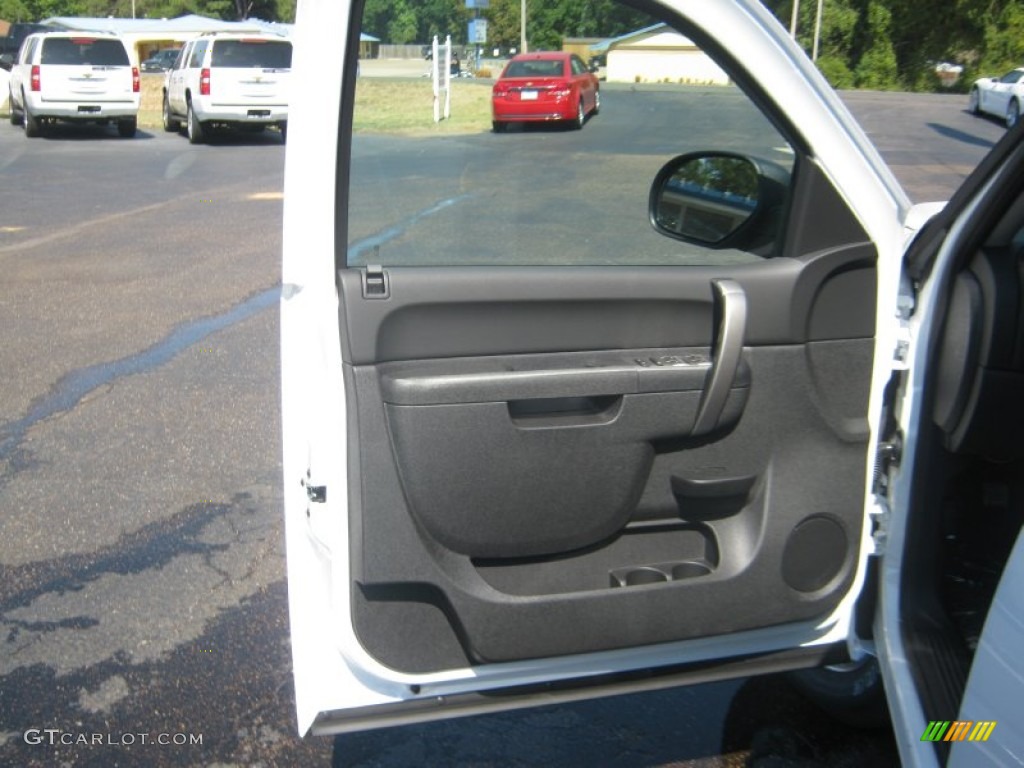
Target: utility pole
(817, 31)
(522, 26)
(793, 18)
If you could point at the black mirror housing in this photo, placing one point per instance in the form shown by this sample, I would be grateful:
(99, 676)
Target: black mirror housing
(719, 200)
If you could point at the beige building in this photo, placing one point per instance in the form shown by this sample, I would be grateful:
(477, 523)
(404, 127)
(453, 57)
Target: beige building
(581, 46)
(659, 54)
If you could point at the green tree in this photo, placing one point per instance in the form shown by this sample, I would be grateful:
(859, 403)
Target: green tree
(165, 9)
(1003, 40)
(503, 23)
(836, 71)
(284, 11)
(550, 22)
(835, 44)
(897, 43)
(15, 10)
(876, 67)
(402, 24)
(442, 17)
(37, 10)
(376, 14)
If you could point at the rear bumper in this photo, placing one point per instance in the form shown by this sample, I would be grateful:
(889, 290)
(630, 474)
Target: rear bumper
(520, 111)
(520, 118)
(247, 113)
(82, 109)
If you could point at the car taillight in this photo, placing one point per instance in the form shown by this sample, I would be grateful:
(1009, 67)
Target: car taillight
(136, 86)
(561, 93)
(204, 83)
(499, 92)
(36, 81)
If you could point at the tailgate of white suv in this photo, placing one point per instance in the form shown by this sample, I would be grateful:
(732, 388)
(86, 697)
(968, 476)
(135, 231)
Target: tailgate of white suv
(96, 84)
(85, 68)
(250, 72)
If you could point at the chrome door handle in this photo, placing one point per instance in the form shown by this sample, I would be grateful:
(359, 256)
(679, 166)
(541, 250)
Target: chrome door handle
(730, 326)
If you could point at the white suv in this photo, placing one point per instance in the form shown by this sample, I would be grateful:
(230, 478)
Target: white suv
(228, 80)
(78, 76)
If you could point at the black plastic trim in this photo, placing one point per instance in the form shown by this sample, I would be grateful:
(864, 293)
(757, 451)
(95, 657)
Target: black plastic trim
(475, 380)
(432, 707)
(344, 146)
(480, 311)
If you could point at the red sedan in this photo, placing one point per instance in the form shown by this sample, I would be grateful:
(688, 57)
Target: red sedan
(544, 86)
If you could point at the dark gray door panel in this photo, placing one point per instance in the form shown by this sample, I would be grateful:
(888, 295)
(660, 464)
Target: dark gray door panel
(481, 311)
(530, 483)
(782, 551)
(483, 484)
(575, 440)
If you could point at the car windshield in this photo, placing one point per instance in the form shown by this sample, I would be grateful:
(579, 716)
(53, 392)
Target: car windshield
(536, 68)
(84, 50)
(252, 53)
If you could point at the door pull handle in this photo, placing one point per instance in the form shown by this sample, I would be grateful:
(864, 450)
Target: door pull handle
(730, 331)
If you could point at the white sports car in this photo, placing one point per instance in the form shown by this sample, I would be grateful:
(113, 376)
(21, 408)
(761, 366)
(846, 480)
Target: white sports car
(999, 96)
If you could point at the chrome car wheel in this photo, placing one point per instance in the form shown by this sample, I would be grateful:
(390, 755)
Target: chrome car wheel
(1012, 114)
(973, 101)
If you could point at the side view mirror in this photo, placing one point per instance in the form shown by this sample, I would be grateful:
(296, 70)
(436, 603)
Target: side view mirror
(718, 199)
(7, 61)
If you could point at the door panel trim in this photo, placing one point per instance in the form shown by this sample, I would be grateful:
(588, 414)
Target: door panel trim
(448, 312)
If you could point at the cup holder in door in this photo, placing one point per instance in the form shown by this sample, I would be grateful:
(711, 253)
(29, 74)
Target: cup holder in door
(690, 570)
(635, 577)
(640, 575)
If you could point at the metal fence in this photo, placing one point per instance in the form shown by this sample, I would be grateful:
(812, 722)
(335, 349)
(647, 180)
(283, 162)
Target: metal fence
(400, 51)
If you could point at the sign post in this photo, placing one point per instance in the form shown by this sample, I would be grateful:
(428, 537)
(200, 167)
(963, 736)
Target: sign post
(441, 82)
(477, 32)
(447, 77)
(434, 80)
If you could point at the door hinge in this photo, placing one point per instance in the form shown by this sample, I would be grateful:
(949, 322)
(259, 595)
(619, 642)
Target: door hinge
(376, 284)
(890, 451)
(315, 493)
(887, 457)
(901, 352)
(905, 304)
(879, 526)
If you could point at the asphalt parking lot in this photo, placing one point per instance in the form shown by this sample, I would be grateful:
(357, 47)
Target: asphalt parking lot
(141, 563)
